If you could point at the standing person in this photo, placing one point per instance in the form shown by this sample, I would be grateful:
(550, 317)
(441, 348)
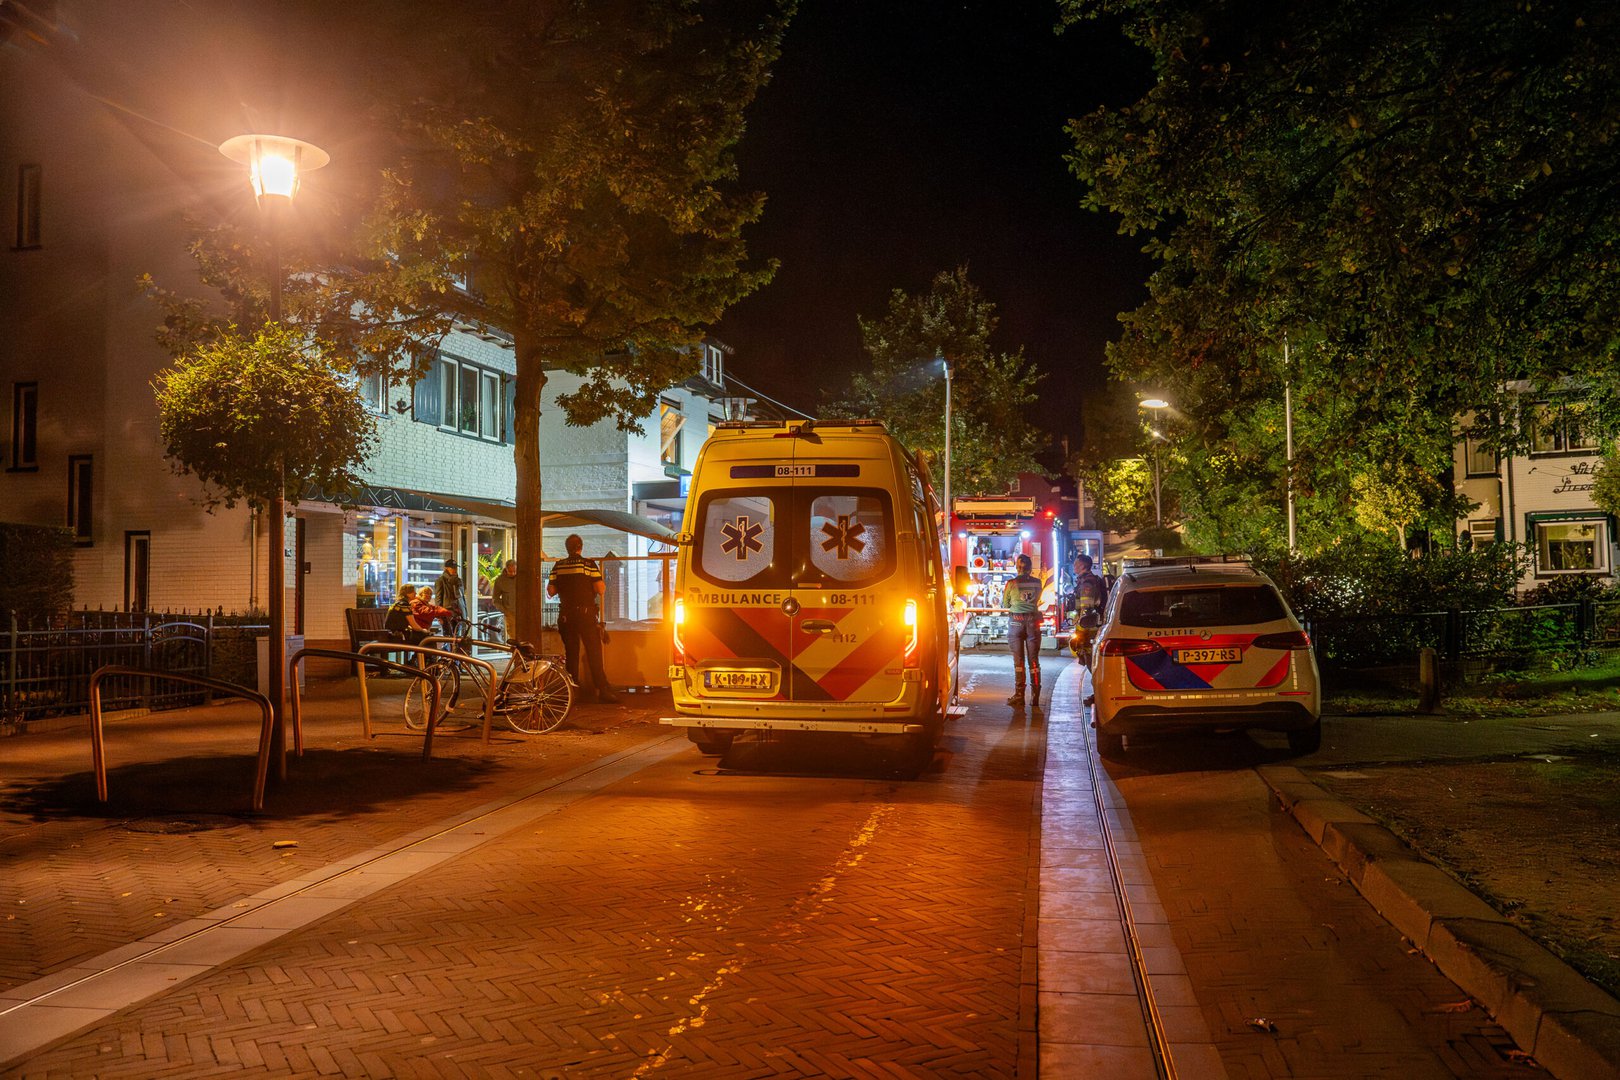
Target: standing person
(1090, 590)
(577, 581)
(1022, 598)
(503, 594)
(451, 591)
(1087, 599)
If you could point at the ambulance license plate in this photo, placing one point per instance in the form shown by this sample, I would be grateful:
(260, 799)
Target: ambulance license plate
(737, 680)
(1229, 655)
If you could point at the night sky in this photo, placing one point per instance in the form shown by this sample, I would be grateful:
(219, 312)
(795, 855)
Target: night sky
(898, 139)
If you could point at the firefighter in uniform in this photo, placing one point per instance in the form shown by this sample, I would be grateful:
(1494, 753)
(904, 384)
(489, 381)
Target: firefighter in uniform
(577, 581)
(1087, 602)
(1022, 598)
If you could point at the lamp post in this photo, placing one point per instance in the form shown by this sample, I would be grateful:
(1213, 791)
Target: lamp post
(275, 167)
(1155, 404)
(946, 364)
(1288, 444)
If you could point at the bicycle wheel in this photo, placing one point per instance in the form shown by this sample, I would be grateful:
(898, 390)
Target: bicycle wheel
(418, 694)
(540, 704)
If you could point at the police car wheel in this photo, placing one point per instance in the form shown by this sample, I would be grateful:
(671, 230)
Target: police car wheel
(1308, 741)
(1110, 745)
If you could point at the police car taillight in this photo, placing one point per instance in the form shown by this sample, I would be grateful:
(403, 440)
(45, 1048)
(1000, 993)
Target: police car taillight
(675, 629)
(910, 620)
(1128, 646)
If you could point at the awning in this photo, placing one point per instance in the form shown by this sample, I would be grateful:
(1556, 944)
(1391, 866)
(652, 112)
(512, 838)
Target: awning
(634, 524)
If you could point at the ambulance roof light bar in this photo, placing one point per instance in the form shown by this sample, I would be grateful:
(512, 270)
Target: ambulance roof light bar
(795, 425)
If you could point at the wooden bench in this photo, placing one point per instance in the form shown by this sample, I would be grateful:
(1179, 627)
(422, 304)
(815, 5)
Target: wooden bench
(365, 625)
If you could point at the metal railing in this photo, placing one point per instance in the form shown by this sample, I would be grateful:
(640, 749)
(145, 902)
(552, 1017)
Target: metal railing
(98, 749)
(1486, 633)
(359, 661)
(372, 647)
(45, 668)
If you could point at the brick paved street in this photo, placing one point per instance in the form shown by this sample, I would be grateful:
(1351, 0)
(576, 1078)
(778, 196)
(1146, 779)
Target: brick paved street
(604, 902)
(684, 921)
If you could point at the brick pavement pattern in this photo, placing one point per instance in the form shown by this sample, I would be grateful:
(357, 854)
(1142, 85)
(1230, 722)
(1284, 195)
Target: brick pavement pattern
(1270, 930)
(686, 922)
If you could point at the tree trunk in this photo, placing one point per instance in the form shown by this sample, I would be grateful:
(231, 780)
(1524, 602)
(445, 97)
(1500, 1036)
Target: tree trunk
(531, 383)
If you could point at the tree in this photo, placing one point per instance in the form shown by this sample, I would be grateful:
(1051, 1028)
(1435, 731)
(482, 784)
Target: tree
(992, 441)
(246, 414)
(1606, 480)
(562, 172)
(1417, 197)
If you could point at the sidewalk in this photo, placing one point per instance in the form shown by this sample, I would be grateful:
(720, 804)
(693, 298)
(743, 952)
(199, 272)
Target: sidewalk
(179, 787)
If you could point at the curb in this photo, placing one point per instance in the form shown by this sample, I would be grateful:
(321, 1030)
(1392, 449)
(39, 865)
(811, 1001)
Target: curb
(1571, 1027)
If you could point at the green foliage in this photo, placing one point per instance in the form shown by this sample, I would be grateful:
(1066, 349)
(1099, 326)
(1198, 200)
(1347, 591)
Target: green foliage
(38, 580)
(1606, 481)
(1414, 197)
(1570, 589)
(248, 414)
(992, 440)
(1373, 576)
(1122, 491)
(571, 165)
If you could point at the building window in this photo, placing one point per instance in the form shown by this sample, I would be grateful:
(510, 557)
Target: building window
(1558, 427)
(137, 571)
(28, 193)
(24, 427)
(1477, 460)
(373, 390)
(472, 400)
(1565, 546)
(1482, 533)
(670, 422)
(714, 365)
(81, 498)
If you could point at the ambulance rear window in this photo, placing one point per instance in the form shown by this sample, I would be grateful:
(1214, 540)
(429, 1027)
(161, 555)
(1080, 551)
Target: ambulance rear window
(789, 536)
(738, 538)
(850, 539)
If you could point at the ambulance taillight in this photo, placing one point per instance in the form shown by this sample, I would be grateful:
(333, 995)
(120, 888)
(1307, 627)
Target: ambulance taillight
(910, 619)
(675, 629)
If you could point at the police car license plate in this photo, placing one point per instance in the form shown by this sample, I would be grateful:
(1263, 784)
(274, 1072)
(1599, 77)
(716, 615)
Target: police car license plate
(1229, 655)
(737, 680)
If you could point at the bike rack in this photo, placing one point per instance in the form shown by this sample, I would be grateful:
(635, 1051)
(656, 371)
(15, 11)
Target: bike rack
(365, 700)
(439, 654)
(98, 749)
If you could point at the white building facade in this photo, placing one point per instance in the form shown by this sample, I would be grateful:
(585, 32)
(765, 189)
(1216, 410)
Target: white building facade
(1541, 498)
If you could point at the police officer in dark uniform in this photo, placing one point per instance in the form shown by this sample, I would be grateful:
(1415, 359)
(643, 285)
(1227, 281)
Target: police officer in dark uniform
(577, 581)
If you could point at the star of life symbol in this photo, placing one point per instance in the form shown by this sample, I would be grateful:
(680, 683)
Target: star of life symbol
(844, 536)
(741, 537)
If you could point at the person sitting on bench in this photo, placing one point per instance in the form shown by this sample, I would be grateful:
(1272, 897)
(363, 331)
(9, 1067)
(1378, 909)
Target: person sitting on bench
(402, 620)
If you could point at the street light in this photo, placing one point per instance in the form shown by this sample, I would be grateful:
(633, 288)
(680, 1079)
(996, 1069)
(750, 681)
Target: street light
(1156, 404)
(947, 365)
(1288, 444)
(276, 165)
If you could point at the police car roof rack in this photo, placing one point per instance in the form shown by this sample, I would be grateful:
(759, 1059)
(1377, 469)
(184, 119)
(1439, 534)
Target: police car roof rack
(1191, 562)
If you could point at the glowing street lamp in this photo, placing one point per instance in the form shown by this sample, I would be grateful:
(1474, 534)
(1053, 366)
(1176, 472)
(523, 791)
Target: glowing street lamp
(1155, 404)
(276, 165)
(947, 366)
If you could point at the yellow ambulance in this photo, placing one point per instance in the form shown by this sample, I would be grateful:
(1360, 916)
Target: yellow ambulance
(809, 591)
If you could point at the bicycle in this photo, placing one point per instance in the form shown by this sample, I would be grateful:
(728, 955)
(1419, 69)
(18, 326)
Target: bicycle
(533, 695)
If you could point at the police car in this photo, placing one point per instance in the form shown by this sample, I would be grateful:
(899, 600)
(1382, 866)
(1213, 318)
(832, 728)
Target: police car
(1202, 645)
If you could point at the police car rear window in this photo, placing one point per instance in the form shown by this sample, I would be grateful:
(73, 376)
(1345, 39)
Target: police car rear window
(1231, 605)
